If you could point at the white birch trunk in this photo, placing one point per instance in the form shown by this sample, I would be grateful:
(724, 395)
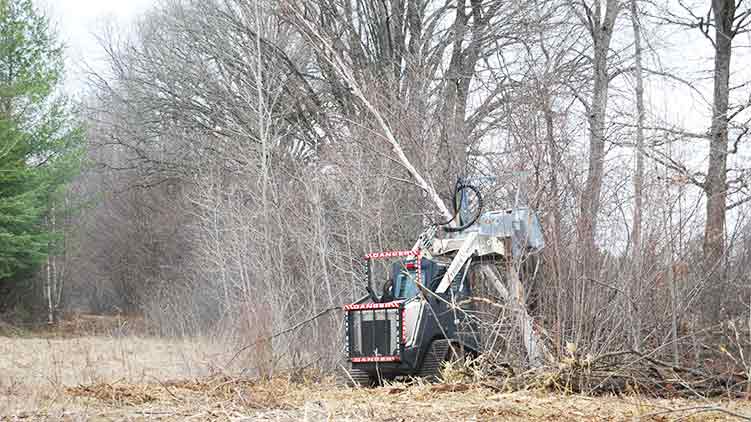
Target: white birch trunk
(48, 289)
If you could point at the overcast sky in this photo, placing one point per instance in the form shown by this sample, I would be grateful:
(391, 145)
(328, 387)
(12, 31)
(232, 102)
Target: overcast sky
(78, 20)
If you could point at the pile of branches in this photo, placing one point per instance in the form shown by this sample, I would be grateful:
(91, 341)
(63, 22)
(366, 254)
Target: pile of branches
(624, 372)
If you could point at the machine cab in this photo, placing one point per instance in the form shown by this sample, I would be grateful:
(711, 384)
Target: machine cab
(403, 281)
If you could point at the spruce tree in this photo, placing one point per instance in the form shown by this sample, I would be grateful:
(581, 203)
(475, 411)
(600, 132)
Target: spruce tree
(39, 136)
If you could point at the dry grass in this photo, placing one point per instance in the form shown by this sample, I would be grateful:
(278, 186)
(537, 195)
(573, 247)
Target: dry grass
(130, 378)
(222, 399)
(34, 371)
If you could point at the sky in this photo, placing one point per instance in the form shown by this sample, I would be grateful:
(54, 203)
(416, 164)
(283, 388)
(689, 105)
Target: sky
(77, 21)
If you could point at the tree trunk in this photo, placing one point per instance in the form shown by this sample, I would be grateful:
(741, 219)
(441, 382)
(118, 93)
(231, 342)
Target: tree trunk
(635, 290)
(602, 32)
(458, 77)
(673, 307)
(715, 184)
(555, 202)
(49, 288)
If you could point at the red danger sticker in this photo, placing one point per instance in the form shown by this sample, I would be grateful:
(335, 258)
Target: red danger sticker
(376, 359)
(364, 306)
(390, 254)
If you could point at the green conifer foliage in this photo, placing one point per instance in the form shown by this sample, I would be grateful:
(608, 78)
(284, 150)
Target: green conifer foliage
(40, 139)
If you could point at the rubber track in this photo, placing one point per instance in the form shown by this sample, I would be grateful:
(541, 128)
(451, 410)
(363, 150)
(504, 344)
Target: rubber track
(360, 378)
(431, 365)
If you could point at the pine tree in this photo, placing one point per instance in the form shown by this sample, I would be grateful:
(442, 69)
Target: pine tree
(39, 136)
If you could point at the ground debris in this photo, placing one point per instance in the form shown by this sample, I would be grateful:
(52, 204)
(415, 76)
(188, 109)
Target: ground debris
(619, 373)
(223, 398)
(126, 394)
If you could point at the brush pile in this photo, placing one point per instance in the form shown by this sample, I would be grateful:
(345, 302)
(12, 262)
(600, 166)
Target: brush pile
(625, 372)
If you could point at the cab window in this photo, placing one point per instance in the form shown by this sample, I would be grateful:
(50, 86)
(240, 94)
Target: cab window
(404, 282)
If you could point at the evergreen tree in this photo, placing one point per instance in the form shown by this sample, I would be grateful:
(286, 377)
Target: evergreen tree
(39, 137)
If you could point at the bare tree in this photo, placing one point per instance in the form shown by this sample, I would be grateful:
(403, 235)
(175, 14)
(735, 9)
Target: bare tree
(728, 22)
(636, 243)
(599, 18)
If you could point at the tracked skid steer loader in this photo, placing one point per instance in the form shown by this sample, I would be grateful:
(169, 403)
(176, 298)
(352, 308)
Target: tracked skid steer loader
(424, 315)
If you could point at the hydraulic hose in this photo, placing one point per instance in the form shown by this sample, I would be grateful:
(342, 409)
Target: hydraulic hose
(459, 191)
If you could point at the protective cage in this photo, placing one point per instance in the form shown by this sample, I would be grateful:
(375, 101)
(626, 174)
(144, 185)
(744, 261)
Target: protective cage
(374, 332)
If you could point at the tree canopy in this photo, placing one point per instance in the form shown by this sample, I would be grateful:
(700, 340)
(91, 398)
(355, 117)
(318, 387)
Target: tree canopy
(39, 137)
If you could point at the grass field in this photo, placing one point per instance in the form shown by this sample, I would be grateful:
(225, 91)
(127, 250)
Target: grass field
(35, 371)
(130, 378)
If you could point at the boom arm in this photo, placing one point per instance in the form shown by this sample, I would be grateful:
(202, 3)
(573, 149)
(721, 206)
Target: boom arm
(466, 251)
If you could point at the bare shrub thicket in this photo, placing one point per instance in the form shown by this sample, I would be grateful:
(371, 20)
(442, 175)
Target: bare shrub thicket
(243, 164)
